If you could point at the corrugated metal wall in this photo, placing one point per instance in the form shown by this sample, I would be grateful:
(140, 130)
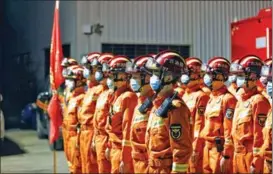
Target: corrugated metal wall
(203, 25)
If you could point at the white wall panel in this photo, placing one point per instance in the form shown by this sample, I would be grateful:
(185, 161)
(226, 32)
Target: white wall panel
(203, 25)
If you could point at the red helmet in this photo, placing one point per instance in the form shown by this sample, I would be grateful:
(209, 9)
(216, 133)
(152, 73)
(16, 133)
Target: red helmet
(138, 64)
(248, 65)
(103, 58)
(217, 65)
(116, 64)
(87, 60)
(75, 72)
(168, 61)
(152, 55)
(67, 61)
(194, 64)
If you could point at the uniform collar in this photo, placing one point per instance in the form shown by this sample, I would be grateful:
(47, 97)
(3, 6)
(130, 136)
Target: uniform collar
(246, 95)
(159, 99)
(193, 88)
(220, 91)
(77, 91)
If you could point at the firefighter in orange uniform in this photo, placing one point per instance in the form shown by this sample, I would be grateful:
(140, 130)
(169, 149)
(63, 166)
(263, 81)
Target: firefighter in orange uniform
(86, 114)
(75, 85)
(100, 138)
(219, 112)
(232, 88)
(139, 83)
(66, 62)
(168, 138)
(249, 117)
(196, 100)
(266, 151)
(119, 121)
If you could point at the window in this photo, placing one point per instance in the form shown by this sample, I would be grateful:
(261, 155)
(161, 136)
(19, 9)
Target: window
(134, 50)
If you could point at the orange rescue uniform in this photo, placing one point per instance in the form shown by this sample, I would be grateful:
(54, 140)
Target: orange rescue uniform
(180, 91)
(218, 121)
(205, 89)
(88, 157)
(249, 119)
(70, 128)
(100, 135)
(137, 137)
(196, 100)
(121, 113)
(168, 140)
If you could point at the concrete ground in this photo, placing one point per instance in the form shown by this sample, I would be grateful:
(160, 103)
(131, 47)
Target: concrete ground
(23, 152)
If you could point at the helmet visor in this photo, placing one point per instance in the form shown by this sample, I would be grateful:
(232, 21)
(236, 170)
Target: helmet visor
(266, 71)
(152, 64)
(94, 62)
(105, 67)
(236, 68)
(131, 67)
(84, 60)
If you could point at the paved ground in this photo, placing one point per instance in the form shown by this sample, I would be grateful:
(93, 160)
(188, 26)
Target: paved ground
(35, 155)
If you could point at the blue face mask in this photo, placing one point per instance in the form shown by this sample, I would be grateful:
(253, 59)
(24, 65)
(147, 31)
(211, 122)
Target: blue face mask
(134, 85)
(240, 81)
(86, 73)
(98, 76)
(110, 83)
(207, 80)
(185, 79)
(269, 88)
(155, 83)
(232, 78)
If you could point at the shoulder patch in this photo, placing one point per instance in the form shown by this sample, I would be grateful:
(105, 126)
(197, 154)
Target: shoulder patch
(229, 113)
(176, 131)
(201, 110)
(262, 119)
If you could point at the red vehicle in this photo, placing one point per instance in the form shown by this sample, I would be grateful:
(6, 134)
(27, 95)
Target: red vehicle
(252, 36)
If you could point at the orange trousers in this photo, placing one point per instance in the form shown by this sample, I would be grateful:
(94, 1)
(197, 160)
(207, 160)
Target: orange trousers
(88, 157)
(211, 160)
(104, 166)
(242, 163)
(140, 166)
(159, 170)
(199, 167)
(71, 150)
(266, 167)
(115, 154)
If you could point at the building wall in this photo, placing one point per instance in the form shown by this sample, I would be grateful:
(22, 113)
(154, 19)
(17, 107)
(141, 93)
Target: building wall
(205, 25)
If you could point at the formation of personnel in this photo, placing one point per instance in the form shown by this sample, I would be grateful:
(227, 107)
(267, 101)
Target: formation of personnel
(166, 114)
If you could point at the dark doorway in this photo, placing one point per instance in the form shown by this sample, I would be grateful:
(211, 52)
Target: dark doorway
(66, 53)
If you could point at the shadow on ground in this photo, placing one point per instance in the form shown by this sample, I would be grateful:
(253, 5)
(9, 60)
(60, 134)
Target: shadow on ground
(9, 147)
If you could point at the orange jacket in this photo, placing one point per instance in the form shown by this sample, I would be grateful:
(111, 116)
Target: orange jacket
(71, 108)
(102, 111)
(249, 119)
(121, 113)
(233, 89)
(138, 130)
(180, 91)
(196, 100)
(168, 140)
(89, 105)
(218, 119)
(267, 134)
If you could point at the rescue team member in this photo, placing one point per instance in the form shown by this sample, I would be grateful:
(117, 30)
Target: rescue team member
(249, 117)
(168, 138)
(86, 114)
(66, 62)
(75, 84)
(264, 80)
(196, 100)
(218, 149)
(139, 83)
(266, 151)
(100, 138)
(232, 88)
(119, 121)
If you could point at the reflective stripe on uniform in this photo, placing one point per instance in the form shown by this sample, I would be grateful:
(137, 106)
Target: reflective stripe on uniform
(256, 150)
(196, 134)
(179, 167)
(126, 143)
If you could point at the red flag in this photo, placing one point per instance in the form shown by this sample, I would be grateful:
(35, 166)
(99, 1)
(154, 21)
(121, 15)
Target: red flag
(56, 78)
